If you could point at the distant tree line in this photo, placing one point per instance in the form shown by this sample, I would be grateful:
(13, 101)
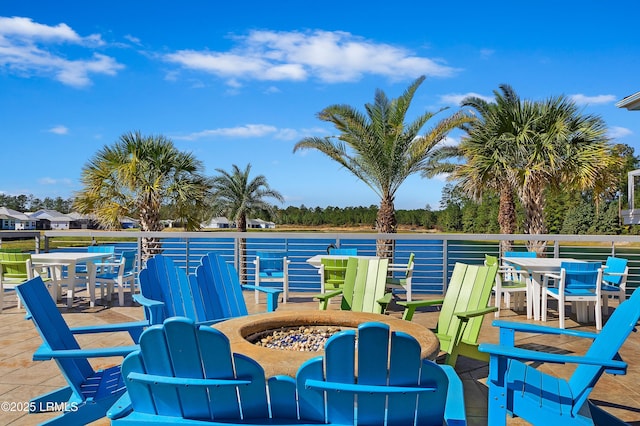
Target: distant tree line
(29, 203)
(565, 213)
(351, 216)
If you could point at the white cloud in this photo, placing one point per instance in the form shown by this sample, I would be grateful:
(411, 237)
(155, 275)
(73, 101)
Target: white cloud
(581, 99)
(53, 181)
(132, 39)
(486, 53)
(330, 57)
(59, 130)
(24, 51)
(246, 131)
(456, 98)
(616, 132)
(253, 131)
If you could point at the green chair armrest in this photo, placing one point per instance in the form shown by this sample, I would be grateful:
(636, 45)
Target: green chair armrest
(477, 313)
(410, 307)
(385, 300)
(324, 298)
(421, 303)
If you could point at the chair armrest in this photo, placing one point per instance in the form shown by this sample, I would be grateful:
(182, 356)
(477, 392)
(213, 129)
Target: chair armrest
(385, 300)
(529, 355)
(410, 307)
(121, 407)
(270, 290)
(328, 294)
(184, 381)
(397, 268)
(110, 328)
(44, 353)
(420, 303)
(153, 308)
(113, 264)
(541, 329)
(477, 313)
(454, 411)
(139, 298)
(339, 387)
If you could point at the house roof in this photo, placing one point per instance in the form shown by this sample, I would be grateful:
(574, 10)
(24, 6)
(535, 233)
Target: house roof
(13, 214)
(631, 102)
(51, 215)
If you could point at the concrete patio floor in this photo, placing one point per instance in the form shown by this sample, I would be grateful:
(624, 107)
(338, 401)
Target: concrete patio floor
(22, 379)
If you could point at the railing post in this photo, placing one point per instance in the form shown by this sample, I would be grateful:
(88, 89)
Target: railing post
(445, 262)
(37, 249)
(556, 248)
(186, 250)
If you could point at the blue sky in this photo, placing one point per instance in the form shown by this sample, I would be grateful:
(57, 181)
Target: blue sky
(242, 82)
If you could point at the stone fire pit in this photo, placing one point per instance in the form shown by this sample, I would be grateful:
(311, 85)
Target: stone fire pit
(287, 362)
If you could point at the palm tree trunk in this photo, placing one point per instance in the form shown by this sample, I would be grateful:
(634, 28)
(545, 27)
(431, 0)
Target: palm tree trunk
(507, 216)
(386, 224)
(150, 221)
(534, 223)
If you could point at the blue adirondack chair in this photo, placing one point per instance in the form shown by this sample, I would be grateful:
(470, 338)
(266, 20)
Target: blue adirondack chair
(614, 280)
(272, 267)
(385, 368)
(213, 294)
(89, 393)
(517, 388)
(215, 273)
(187, 374)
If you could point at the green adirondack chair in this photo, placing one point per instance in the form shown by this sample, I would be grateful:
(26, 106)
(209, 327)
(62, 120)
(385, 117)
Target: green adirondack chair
(463, 309)
(364, 288)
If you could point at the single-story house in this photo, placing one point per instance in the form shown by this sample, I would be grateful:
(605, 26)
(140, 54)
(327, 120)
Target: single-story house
(259, 223)
(12, 220)
(51, 219)
(217, 223)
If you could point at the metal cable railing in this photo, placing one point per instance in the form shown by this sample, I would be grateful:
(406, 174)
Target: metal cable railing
(435, 254)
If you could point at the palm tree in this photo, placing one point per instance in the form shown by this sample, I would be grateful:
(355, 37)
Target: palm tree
(380, 149)
(136, 176)
(236, 196)
(531, 147)
(486, 150)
